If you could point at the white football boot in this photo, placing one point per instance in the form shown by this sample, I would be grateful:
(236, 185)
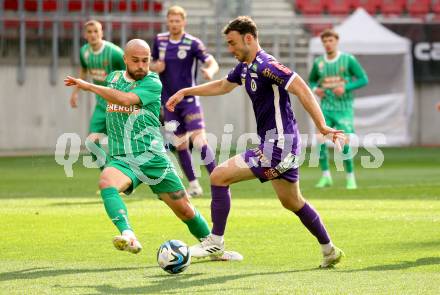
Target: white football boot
(227, 256)
(333, 258)
(207, 247)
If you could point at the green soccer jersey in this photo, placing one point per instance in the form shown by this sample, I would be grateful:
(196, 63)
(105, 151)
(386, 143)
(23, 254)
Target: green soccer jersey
(329, 74)
(100, 63)
(135, 129)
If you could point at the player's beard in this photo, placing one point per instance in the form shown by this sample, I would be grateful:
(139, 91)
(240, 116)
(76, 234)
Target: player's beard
(137, 75)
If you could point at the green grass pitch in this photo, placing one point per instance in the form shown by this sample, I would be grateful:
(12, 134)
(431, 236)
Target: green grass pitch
(56, 237)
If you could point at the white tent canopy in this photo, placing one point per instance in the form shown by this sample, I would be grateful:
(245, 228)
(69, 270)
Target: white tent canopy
(385, 104)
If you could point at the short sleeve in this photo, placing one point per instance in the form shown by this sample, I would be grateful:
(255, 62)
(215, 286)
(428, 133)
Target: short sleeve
(200, 50)
(148, 90)
(277, 73)
(234, 75)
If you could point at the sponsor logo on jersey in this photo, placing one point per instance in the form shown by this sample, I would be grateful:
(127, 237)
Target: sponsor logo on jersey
(259, 60)
(254, 75)
(98, 74)
(184, 47)
(332, 82)
(281, 67)
(271, 75)
(254, 67)
(187, 41)
(265, 162)
(115, 108)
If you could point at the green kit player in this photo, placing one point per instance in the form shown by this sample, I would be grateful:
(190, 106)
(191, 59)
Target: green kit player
(98, 59)
(136, 149)
(332, 80)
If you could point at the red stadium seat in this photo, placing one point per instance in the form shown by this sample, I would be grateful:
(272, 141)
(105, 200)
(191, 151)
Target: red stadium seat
(394, 7)
(311, 7)
(122, 6)
(74, 5)
(11, 4)
(436, 6)
(418, 7)
(371, 6)
(99, 5)
(338, 7)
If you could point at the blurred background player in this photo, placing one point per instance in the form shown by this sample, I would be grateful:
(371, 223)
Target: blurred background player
(98, 59)
(268, 84)
(175, 57)
(332, 80)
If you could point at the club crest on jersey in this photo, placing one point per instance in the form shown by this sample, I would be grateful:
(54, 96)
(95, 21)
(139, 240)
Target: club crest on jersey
(253, 85)
(105, 63)
(181, 53)
(254, 67)
(321, 65)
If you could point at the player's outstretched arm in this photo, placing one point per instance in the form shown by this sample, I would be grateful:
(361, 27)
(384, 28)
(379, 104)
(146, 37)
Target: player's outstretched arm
(217, 87)
(305, 96)
(74, 96)
(109, 94)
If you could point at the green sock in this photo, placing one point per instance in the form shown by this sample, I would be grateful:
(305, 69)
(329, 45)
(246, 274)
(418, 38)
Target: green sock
(97, 153)
(348, 164)
(323, 157)
(115, 207)
(198, 226)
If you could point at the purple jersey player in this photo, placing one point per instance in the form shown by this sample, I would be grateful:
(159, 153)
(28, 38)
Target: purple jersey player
(175, 57)
(267, 82)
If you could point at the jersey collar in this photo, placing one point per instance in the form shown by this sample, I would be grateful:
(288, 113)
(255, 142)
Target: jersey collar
(100, 50)
(338, 54)
(126, 78)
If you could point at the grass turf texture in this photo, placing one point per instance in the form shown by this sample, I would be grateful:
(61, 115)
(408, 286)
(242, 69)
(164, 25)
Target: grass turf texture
(56, 237)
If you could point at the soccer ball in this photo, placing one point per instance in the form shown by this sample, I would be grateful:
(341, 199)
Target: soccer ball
(173, 256)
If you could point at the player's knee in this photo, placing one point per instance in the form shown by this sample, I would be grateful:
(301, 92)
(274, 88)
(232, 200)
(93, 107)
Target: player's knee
(186, 213)
(104, 182)
(293, 203)
(218, 178)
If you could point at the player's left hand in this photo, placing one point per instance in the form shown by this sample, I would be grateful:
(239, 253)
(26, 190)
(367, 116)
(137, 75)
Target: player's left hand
(340, 90)
(207, 74)
(174, 100)
(81, 84)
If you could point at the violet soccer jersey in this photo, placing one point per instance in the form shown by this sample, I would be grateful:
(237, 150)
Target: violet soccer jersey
(266, 81)
(181, 59)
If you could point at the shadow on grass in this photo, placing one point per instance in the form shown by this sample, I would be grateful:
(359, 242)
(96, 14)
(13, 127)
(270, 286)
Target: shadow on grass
(128, 200)
(42, 272)
(401, 265)
(178, 283)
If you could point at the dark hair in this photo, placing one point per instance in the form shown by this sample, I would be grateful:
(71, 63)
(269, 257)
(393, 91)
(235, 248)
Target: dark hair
(243, 25)
(329, 33)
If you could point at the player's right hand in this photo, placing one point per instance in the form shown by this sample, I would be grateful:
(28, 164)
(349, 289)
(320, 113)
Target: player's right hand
(159, 66)
(74, 100)
(174, 100)
(319, 92)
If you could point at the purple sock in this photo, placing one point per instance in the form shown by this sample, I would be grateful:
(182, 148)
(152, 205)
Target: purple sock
(220, 206)
(208, 158)
(310, 218)
(186, 164)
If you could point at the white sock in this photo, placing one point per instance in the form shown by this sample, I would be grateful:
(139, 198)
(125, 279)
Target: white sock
(129, 233)
(194, 183)
(217, 239)
(326, 248)
(326, 173)
(350, 175)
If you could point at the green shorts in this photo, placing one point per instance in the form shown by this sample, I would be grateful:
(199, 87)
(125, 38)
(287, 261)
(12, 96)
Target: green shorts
(159, 173)
(341, 120)
(97, 122)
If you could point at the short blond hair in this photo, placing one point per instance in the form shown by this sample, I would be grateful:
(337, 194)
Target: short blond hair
(93, 22)
(177, 10)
